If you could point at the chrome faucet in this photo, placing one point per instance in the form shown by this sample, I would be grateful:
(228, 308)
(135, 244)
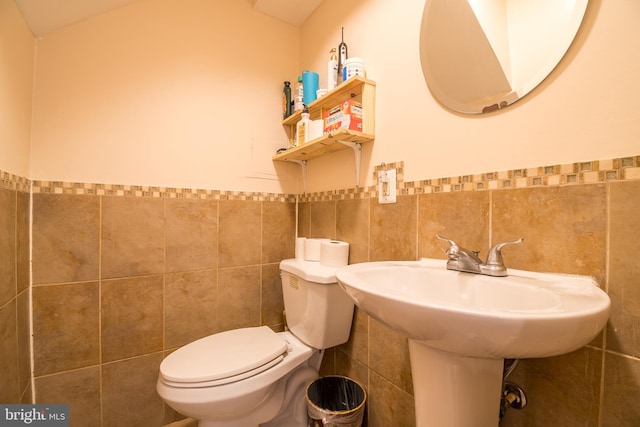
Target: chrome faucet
(461, 259)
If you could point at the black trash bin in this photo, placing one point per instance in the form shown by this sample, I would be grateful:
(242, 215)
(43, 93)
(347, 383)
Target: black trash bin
(335, 401)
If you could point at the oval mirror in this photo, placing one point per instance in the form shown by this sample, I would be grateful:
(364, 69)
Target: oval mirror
(482, 55)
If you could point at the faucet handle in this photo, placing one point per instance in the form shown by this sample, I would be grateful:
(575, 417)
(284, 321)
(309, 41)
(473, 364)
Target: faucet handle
(451, 242)
(453, 249)
(494, 257)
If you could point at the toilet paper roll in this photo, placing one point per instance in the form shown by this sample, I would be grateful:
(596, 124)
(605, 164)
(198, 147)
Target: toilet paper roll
(312, 249)
(300, 248)
(334, 253)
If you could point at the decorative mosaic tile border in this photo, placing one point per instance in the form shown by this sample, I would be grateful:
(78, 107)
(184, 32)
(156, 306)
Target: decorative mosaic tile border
(598, 171)
(14, 182)
(593, 172)
(78, 188)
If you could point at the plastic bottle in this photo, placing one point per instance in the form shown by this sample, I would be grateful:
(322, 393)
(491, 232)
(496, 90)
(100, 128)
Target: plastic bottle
(353, 66)
(332, 70)
(342, 55)
(302, 127)
(286, 100)
(299, 95)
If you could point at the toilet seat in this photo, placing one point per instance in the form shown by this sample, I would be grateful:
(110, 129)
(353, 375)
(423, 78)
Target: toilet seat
(224, 358)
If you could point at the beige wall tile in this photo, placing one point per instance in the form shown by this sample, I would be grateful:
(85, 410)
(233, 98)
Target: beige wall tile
(624, 270)
(27, 397)
(7, 245)
(323, 220)
(191, 302)
(348, 367)
(131, 321)
(15, 334)
(389, 405)
(304, 219)
(238, 297)
(564, 228)
(9, 380)
(621, 385)
(132, 236)
(272, 305)
(389, 355)
(24, 340)
(129, 395)
(80, 389)
(352, 226)
(192, 234)
(393, 230)
(328, 365)
(65, 327)
(561, 391)
(251, 295)
(239, 234)
(65, 238)
(278, 231)
(460, 216)
(23, 265)
(358, 345)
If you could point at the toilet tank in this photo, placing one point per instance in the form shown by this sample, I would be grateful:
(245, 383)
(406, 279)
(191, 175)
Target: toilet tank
(318, 311)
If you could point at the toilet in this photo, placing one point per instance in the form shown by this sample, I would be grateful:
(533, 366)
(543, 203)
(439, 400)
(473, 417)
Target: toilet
(253, 377)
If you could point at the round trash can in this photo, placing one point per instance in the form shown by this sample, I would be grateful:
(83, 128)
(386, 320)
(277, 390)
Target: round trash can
(335, 401)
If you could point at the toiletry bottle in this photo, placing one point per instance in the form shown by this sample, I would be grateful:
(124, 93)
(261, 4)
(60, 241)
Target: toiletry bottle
(302, 127)
(342, 56)
(286, 100)
(299, 94)
(332, 70)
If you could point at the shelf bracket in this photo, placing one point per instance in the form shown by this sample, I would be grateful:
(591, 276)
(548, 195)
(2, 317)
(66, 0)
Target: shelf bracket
(303, 165)
(357, 152)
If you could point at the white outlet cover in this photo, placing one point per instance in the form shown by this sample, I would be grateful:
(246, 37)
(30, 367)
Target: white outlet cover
(387, 186)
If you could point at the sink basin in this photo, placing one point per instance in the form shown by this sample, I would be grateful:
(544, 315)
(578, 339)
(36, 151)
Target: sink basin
(461, 327)
(522, 315)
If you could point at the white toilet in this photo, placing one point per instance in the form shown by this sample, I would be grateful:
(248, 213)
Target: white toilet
(254, 376)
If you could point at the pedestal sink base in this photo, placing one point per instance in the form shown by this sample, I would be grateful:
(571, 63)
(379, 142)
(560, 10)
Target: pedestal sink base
(453, 390)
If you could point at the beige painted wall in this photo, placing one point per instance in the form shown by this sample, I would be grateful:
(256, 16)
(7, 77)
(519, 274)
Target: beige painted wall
(586, 110)
(167, 93)
(17, 53)
(187, 94)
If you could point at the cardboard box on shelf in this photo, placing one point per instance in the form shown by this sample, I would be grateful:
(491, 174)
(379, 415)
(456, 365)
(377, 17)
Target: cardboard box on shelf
(347, 115)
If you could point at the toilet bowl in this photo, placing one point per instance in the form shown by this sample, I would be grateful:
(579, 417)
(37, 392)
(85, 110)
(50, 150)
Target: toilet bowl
(253, 377)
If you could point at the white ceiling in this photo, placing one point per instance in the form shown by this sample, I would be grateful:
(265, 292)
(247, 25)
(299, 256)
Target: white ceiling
(46, 16)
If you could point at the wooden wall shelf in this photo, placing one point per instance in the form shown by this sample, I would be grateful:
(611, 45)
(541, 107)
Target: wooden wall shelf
(357, 88)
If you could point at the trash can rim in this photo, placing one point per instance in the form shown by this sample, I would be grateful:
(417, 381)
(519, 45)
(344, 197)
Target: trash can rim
(328, 411)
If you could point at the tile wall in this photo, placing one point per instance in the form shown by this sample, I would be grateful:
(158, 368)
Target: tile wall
(122, 275)
(119, 281)
(587, 224)
(15, 363)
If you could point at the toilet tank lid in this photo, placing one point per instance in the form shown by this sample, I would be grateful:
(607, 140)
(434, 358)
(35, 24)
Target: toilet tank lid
(311, 271)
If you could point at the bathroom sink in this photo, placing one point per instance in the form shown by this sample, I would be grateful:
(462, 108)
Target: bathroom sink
(461, 327)
(522, 315)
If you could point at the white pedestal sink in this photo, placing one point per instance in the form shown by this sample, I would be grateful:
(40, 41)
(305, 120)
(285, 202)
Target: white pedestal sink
(461, 327)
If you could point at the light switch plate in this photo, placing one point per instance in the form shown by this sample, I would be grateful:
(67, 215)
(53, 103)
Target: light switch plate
(387, 186)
